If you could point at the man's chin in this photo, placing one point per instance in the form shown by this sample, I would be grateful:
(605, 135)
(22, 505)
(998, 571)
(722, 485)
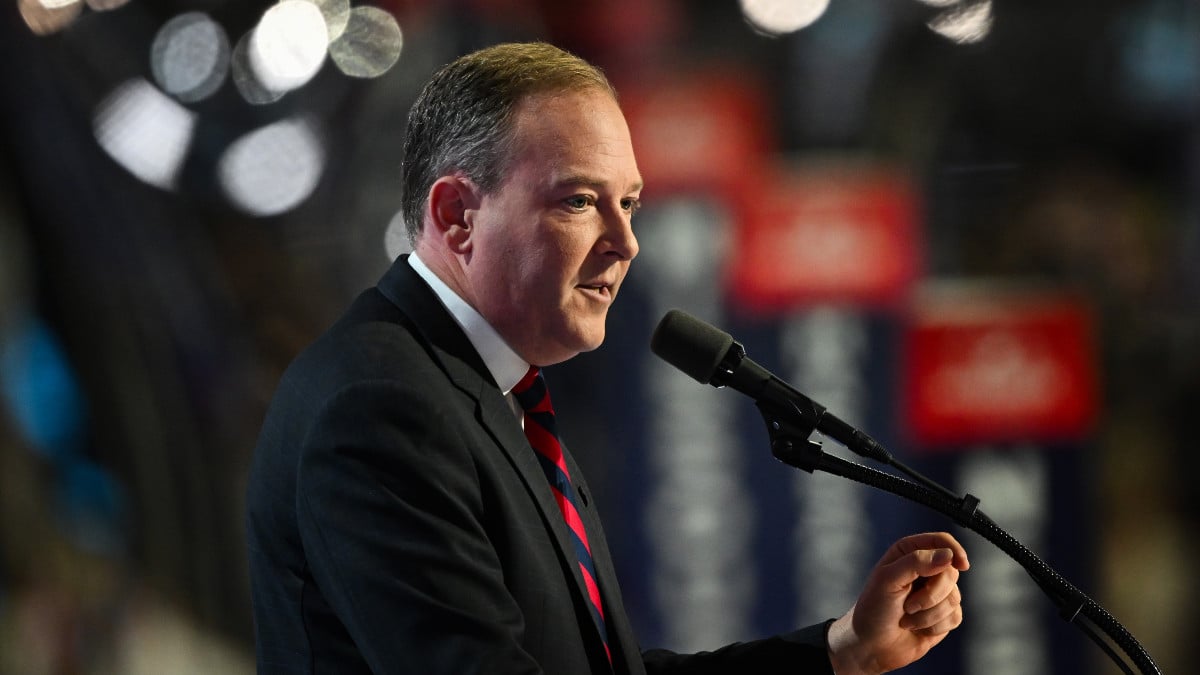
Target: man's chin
(576, 343)
(593, 338)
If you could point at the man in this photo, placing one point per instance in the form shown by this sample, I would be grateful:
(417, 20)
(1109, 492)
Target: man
(400, 519)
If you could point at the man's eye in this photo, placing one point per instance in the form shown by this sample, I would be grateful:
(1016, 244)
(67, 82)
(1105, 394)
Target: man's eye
(631, 205)
(578, 202)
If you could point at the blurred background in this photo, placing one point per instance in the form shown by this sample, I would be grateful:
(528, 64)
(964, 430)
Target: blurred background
(971, 227)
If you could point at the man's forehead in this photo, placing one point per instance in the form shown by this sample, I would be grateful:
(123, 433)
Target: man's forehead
(576, 138)
(539, 116)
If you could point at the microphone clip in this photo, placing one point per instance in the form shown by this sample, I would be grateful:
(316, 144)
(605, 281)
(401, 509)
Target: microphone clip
(790, 435)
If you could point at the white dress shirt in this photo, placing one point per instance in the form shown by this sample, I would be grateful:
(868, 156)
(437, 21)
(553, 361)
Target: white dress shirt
(506, 367)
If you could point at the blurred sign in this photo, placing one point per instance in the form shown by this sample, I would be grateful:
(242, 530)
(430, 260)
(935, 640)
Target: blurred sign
(826, 233)
(991, 366)
(699, 134)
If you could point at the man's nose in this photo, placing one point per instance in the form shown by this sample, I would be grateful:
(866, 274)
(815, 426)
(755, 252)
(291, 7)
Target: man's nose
(619, 240)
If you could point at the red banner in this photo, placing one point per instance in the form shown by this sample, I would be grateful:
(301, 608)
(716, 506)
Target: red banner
(698, 134)
(998, 367)
(825, 233)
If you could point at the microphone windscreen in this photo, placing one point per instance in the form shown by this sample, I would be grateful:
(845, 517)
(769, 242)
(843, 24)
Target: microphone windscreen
(690, 344)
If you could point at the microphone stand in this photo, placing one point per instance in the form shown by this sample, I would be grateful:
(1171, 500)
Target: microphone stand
(790, 430)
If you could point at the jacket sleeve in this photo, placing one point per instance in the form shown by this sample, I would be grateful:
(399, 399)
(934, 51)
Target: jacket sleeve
(390, 519)
(801, 652)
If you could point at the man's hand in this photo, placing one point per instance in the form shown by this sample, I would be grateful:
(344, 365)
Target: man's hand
(909, 604)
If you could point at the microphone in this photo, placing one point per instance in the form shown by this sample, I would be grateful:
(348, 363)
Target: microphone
(709, 355)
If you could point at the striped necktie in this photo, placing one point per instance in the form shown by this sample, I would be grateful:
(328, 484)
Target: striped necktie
(540, 429)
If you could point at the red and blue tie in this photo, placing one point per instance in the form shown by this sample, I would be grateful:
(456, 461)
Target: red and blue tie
(540, 429)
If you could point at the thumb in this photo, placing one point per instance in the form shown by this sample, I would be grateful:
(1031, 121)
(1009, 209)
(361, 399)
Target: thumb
(939, 558)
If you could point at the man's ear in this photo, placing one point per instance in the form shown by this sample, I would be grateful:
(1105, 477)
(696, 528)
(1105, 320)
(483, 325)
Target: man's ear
(452, 203)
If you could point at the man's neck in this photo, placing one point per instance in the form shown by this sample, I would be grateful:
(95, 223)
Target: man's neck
(504, 364)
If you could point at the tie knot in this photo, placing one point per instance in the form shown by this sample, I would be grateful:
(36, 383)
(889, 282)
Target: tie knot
(531, 392)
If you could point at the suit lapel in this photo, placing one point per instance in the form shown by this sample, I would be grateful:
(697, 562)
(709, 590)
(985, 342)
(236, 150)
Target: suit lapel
(451, 349)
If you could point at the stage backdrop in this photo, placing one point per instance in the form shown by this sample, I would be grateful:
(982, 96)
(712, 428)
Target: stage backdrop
(989, 391)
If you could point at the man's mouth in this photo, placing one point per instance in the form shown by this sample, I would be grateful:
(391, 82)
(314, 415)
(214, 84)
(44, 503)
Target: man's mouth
(599, 291)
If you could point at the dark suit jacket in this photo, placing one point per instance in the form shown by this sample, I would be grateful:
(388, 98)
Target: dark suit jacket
(398, 521)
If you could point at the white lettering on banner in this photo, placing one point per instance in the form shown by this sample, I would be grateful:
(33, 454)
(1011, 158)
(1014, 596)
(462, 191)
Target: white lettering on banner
(698, 513)
(1004, 633)
(698, 516)
(822, 352)
(1001, 371)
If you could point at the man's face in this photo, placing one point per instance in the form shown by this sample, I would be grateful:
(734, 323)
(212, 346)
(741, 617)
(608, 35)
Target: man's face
(552, 244)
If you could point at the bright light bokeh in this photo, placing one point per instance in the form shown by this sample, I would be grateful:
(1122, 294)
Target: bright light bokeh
(43, 20)
(966, 24)
(248, 85)
(145, 131)
(289, 45)
(370, 44)
(190, 56)
(106, 5)
(337, 15)
(272, 169)
(777, 17)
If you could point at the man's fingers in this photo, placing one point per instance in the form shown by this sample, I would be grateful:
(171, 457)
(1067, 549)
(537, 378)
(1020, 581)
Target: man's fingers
(951, 621)
(929, 591)
(946, 612)
(941, 628)
(928, 541)
(903, 574)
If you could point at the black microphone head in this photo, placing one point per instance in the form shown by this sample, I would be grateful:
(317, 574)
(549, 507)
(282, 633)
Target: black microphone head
(690, 344)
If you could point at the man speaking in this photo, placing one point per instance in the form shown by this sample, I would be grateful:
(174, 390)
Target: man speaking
(411, 508)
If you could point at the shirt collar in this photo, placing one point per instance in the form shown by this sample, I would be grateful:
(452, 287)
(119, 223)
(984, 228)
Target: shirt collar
(506, 367)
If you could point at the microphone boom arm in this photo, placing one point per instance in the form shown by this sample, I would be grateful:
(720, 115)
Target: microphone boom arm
(790, 431)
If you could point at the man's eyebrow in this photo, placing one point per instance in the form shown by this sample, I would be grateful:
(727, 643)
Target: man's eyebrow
(591, 182)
